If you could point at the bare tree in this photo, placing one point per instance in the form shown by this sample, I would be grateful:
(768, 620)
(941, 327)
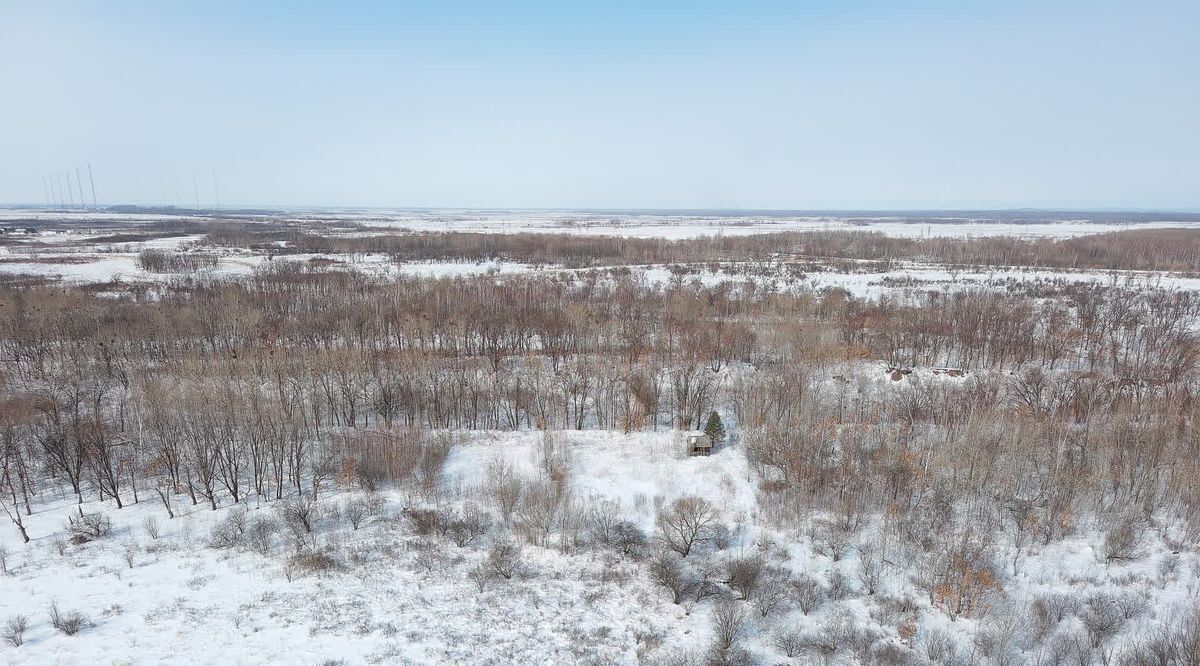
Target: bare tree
(688, 521)
(503, 486)
(504, 557)
(744, 574)
(667, 570)
(728, 624)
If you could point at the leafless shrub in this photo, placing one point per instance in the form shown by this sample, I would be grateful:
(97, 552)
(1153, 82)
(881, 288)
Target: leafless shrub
(129, 552)
(839, 586)
(150, 525)
(834, 537)
(427, 555)
(471, 524)
(428, 471)
(939, 647)
(3, 559)
(427, 522)
(720, 536)
(807, 592)
(728, 625)
(14, 630)
(743, 575)
(1123, 542)
(1002, 636)
(154, 260)
(772, 592)
(355, 511)
(59, 543)
(1168, 568)
(870, 567)
(540, 510)
(628, 538)
(789, 641)
(843, 633)
(69, 623)
(1132, 604)
(300, 517)
(88, 527)
(481, 575)
(600, 521)
(504, 557)
(1174, 642)
(667, 571)
(1102, 619)
(260, 534)
(1048, 610)
(704, 582)
(229, 531)
(503, 486)
(375, 504)
(311, 561)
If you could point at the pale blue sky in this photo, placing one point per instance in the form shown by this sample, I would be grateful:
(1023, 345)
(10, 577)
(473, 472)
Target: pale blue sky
(617, 104)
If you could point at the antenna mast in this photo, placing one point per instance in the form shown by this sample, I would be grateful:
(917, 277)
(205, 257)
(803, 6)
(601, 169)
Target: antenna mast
(79, 182)
(70, 192)
(93, 182)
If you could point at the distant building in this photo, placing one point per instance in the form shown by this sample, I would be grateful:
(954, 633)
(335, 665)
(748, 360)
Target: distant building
(699, 444)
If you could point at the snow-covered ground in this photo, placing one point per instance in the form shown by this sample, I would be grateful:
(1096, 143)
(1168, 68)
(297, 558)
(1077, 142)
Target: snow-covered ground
(75, 254)
(665, 224)
(390, 601)
(75, 257)
(397, 598)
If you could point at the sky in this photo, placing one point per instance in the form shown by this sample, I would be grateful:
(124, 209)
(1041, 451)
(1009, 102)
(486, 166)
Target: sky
(678, 104)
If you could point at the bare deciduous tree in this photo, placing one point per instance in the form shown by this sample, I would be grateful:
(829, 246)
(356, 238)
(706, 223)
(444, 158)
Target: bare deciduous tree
(688, 521)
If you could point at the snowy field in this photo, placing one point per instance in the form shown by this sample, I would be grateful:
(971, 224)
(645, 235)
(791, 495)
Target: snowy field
(391, 597)
(390, 600)
(68, 250)
(637, 224)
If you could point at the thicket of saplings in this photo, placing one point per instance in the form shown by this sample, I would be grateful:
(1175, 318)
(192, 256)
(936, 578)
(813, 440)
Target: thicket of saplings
(1075, 414)
(1176, 250)
(164, 261)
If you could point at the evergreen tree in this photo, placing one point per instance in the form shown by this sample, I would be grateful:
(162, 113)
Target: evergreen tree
(714, 428)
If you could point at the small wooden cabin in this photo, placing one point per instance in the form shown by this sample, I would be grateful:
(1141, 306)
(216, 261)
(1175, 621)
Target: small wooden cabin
(699, 444)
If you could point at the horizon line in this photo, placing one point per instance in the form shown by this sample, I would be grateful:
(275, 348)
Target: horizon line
(849, 210)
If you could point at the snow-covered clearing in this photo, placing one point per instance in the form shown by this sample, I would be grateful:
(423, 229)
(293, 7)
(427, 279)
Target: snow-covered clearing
(393, 597)
(390, 601)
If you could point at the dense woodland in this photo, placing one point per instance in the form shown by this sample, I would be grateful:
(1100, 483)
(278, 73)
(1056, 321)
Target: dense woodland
(1072, 410)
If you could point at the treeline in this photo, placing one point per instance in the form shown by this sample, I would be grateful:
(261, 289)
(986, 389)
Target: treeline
(531, 248)
(1176, 250)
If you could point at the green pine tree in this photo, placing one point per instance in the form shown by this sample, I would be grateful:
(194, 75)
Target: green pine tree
(714, 428)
